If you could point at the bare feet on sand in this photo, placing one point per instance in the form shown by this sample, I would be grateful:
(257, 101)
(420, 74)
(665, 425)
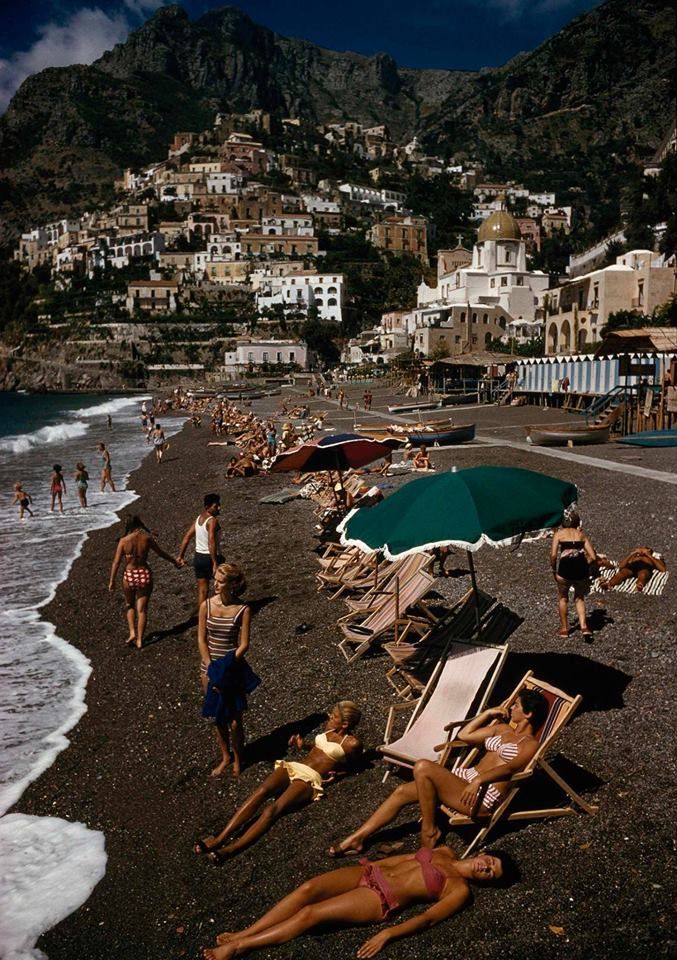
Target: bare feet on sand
(225, 937)
(221, 768)
(345, 848)
(220, 953)
(205, 845)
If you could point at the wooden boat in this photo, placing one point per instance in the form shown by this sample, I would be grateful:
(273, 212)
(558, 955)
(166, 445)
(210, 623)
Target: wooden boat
(651, 438)
(563, 436)
(440, 433)
(414, 407)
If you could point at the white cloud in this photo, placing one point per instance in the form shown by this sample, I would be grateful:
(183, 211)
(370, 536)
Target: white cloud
(80, 39)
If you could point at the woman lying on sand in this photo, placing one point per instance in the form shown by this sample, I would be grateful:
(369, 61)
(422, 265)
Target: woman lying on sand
(370, 894)
(508, 748)
(292, 784)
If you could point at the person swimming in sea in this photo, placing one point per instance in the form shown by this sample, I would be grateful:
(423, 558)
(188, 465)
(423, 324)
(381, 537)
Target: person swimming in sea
(24, 500)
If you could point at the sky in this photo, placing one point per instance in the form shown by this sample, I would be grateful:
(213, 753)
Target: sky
(451, 34)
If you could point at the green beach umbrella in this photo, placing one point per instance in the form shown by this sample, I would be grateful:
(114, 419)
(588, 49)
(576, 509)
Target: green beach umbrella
(500, 506)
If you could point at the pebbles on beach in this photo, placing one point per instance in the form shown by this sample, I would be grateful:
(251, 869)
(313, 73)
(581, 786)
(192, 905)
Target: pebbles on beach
(138, 764)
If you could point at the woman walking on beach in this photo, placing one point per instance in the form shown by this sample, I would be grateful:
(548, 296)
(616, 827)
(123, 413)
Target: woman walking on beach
(223, 641)
(137, 579)
(81, 483)
(159, 442)
(57, 486)
(508, 748)
(572, 570)
(292, 784)
(371, 893)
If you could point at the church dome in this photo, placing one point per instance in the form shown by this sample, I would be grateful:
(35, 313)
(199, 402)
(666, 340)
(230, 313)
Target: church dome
(501, 225)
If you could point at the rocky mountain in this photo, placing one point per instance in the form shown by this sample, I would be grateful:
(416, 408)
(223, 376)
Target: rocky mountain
(599, 91)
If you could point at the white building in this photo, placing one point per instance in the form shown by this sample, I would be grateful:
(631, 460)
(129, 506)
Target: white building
(224, 182)
(301, 291)
(119, 251)
(317, 204)
(373, 197)
(251, 353)
(482, 300)
(288, 225)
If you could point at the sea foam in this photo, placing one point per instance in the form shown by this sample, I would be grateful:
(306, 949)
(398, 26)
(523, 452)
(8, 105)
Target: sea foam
(56, 433)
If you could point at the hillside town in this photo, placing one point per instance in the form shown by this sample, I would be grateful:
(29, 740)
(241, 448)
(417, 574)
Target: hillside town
(234, 231)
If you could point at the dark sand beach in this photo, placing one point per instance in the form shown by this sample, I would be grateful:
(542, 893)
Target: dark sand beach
(139, 760)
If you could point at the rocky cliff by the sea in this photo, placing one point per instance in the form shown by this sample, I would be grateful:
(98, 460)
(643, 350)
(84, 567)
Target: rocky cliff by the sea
(602, 86)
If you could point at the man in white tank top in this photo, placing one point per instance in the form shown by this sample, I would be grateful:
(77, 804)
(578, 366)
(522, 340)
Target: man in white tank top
(205, 530)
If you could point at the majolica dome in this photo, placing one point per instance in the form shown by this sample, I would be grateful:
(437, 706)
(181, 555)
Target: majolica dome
(501, 225)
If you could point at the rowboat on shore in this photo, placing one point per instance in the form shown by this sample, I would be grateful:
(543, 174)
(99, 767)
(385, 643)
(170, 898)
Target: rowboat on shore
(415, 407)
(563, 436)
(439, 434)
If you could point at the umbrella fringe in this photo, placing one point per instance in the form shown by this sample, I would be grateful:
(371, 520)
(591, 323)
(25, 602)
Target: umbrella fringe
(514, 541)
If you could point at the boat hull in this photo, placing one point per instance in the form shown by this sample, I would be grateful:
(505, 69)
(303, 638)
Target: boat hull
(651, 438)
(578, 436)
(445, 436)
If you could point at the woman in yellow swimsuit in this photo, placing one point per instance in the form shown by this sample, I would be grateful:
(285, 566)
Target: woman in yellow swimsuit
(292, 784)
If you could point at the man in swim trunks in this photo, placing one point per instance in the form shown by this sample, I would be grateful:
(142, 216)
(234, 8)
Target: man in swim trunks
(205, 531)
(640, 563)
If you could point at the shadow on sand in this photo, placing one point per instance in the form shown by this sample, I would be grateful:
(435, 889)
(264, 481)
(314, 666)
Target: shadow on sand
(601, 687)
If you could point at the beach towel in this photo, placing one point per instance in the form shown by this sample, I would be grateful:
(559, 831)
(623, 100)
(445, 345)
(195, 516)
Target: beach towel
(282, 496)
(654, 587)
(229, 682)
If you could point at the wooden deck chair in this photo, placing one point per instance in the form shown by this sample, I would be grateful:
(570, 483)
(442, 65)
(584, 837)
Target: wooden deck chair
(413, 662)
(394, 613)
(459, 687)
(562, 708)
(359, 568)
(403, 569)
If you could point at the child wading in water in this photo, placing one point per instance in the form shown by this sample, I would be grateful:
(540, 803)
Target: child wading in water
(23, 499)
(81, 482)
(58, 486)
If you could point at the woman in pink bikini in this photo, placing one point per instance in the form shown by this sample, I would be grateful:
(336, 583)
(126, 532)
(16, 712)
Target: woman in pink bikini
(137, 579)
(370, 893)
(508, 747)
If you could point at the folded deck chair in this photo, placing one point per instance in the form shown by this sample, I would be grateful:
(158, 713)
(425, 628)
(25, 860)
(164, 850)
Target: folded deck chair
(394, 613)
(282, 496)
(562, 708)
(413, 662)
(459, 687)
(359, 569)
(402, 569)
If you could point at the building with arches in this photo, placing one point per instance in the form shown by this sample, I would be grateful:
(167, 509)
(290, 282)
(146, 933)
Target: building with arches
(575, 312)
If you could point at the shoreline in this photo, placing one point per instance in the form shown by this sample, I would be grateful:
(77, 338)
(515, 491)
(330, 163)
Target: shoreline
(138, 761)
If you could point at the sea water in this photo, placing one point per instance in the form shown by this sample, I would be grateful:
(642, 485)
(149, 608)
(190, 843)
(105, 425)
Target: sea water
(49, 866)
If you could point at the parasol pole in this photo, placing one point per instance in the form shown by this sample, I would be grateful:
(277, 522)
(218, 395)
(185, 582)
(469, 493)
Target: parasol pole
(471, 564)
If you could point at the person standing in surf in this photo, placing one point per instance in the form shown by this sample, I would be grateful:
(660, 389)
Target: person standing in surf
(81, 483)
(58, 486)
(24, 500)
(106, 467)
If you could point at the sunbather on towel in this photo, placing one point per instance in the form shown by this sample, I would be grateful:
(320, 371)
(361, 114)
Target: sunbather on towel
(508, 746)
(640, 563)
(292, 784)
(371, 893)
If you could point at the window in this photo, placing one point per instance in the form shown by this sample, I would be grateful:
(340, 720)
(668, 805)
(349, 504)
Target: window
(504, 281)
(520, 281)
(278, 356)
(250, 357)
(292, 356)
(492, 283)
(485, 318)
(265, 356)
(332, 302)
(640, 294)
(457, 339)
(474, 318)
(462, 316)
(595, 296)
(474, 339)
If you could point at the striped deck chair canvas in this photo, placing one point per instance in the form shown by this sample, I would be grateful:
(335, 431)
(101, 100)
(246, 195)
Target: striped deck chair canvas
(461, 683)
(562, 708)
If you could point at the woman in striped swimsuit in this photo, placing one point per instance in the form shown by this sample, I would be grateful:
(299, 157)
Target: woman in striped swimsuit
(137, 580)
(509, 745)
(223, 626)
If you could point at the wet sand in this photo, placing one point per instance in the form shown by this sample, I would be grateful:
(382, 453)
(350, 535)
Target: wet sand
(139, 761)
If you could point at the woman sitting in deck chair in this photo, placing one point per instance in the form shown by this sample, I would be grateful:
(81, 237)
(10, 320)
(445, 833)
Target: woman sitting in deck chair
(291, 785)
(508, 746)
